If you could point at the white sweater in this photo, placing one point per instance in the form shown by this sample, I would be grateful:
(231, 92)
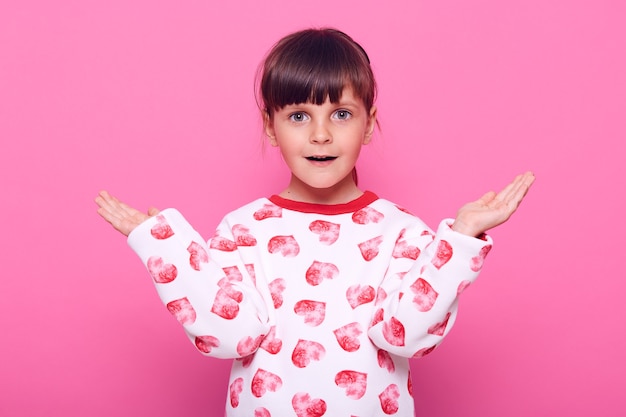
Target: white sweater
(320, 305)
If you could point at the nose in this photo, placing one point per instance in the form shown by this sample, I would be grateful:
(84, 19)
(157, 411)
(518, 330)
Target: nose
(321, 134)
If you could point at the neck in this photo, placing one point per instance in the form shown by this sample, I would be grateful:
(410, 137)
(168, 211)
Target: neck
(340, 193)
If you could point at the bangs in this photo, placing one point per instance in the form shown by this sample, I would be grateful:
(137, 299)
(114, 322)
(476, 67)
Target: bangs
(314, 67)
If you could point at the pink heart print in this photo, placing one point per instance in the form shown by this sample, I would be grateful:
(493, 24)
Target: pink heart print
(182, 310)
(423, 352)
(276, 289)
(206, 343)
(306, 351)
(248, 345)
(305, 406)
(389, 399)
(403, 250)
(264, 381)
(197, 255)
(224, 306)
(393, 332)
(287, 246)
(369, 248)
(385, 361)
(367, 215)
(360, 294)
(161, 272)
(313, 312)
(271, 343)
(242, 236)
(161, 230)
(443, 254)
(463, 286)
(439, 328)
(262, 412)
(236, 387)
(476, 263)
(348, 336)
(355, 383)
(328, 232)
(425, 295)
(222, 244)
(319, 271)
(268, 211)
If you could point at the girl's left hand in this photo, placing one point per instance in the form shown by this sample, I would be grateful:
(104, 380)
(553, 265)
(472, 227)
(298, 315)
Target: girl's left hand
(492, 209)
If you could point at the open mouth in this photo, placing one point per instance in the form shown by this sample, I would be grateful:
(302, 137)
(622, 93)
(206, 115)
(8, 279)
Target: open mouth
(321, 158)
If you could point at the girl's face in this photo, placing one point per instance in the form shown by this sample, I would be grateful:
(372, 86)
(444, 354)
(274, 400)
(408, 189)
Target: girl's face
(321, 144)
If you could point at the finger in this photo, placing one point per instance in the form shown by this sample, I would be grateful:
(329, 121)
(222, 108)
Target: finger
(520, 192)
(153, 211)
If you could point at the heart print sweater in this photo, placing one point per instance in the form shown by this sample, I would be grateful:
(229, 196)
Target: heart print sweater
(320, 306)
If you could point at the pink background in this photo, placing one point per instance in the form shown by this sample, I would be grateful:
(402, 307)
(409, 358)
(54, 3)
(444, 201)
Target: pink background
(153, 100)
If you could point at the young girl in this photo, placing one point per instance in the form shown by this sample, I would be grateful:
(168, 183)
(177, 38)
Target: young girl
(322, 292)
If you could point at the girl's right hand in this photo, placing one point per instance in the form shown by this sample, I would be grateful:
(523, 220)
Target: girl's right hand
(121, 216)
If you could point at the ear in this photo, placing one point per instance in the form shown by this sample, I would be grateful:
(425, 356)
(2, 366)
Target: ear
(268, 126)
(371, 125)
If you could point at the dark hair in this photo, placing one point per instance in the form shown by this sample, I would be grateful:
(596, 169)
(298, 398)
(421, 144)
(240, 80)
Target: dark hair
(312, 65)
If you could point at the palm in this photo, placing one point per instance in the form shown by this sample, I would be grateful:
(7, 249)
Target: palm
(492, 209)
(120, 215)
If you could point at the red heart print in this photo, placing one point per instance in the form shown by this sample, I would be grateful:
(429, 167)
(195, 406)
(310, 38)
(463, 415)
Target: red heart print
(385, 361)
(262, 412)
(285, 245)
(360, 294)
(242, 236)
(443, 254)
(476, 263)
(235, 389)
(306, 351)
(348, 336)
(182, 310)
(268, 211)
(222, 244)
(224, 306)
(264, 381)
(463, 286)
(393, 332)
(206, 343)
(197, 255)
(312, 311)
(423, 352)
(248, 345)
(389, 399)
(439, 328)
(271, 343)
(161, 230)
(328, 232)
(161, 272)
(319, 271)
(276, 289)
(305, 406)
(425, 295)
(369, 248)
(355, 383)
(403, 250)
(367, 215)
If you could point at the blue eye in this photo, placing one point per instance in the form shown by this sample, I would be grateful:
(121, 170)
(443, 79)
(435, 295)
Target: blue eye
(298, 117)
(343, 114)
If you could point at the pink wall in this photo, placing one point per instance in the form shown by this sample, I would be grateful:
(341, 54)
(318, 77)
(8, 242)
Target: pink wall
(153, 101)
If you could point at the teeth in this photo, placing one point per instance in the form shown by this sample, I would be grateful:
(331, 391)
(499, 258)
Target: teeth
(320, 158)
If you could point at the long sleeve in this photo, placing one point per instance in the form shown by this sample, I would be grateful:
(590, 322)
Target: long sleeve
(206, 287)
(417, 307)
